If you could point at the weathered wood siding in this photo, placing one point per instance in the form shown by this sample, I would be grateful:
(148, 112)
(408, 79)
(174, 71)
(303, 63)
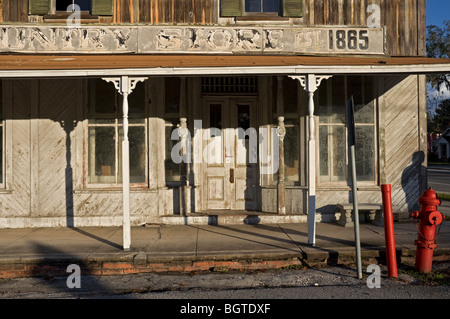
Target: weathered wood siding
(404, 19)
(46, 134)
(18, 202)
(45, 184)
(404, 134)
(13, 10)
(177, 11)
(402, 149)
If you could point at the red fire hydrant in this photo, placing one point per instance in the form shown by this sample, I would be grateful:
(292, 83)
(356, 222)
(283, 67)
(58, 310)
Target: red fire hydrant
(429, 218)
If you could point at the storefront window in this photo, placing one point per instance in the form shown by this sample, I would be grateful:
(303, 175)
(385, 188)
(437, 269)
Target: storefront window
(333, 150)
(172, 119)
(291, 112)
(105, 134)
(291, 151)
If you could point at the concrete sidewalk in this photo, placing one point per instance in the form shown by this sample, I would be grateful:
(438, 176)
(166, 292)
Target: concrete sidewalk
(40, 251)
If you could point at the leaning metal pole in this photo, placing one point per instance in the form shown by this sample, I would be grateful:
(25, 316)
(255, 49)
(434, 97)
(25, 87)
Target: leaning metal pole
(351, 142)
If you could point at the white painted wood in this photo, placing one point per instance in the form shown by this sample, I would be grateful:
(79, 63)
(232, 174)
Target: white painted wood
(34, 148)
(126, 168)
(265, 70)
(229, 183)
(311, 83)
(125, 85)
(8, 115)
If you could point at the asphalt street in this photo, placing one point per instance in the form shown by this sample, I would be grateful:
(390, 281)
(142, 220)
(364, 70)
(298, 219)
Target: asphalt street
(439, 178)
(339, 282)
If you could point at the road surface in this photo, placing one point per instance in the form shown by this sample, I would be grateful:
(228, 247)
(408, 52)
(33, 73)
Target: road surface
(439, 178)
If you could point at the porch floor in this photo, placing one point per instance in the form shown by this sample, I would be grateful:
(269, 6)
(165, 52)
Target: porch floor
(231, 217)
(227, 212)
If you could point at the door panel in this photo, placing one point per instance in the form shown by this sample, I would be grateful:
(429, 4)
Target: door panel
(230, 180)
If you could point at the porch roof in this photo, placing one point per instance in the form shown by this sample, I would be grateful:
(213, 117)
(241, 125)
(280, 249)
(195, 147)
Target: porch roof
(34, 65)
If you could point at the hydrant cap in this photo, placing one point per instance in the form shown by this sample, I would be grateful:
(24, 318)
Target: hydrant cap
(429, 197)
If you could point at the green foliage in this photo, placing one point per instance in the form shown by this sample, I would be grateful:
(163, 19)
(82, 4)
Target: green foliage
(438, 46)
(441, 120)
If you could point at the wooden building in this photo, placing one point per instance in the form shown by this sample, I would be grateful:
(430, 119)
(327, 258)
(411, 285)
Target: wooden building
(108, 111)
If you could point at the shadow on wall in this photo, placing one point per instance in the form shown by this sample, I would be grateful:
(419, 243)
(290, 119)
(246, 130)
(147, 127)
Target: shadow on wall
(414, 180)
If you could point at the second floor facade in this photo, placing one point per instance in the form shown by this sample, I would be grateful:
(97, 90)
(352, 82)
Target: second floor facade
(345, 22)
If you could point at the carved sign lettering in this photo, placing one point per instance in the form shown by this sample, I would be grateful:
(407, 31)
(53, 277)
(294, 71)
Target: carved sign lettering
(154, 39)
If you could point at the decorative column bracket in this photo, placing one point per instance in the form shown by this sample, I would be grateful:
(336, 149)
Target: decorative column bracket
(311, 83)
(125, 86)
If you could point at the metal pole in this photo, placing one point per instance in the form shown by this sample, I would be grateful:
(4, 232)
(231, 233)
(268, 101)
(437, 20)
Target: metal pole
(351, 141)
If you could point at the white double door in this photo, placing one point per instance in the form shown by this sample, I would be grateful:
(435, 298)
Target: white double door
(230, 168)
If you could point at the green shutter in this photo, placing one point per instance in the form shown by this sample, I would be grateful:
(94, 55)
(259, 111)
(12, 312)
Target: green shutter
(39, 6)
(293, 8)
(102, 7)
(231, 8)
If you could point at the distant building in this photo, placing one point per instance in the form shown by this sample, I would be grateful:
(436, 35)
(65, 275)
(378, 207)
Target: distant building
(443, 146)
(432, 147)
(91, 101)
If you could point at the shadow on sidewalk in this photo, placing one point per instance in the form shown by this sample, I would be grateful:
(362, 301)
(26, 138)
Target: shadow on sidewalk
(289, 238)
(244, 236)
(100, 239)
(54, 273)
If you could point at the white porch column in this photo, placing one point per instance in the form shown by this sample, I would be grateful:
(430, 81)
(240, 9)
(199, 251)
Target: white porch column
(125, 85)
(281, 129)
(311, 83)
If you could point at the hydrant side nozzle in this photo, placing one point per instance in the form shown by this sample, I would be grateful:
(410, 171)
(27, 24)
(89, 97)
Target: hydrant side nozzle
(415, 214)
(435, 218)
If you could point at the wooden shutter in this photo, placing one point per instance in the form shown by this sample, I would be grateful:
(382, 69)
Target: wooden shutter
(231, 8)
(102, 7)
(39, 6)
(293, 8)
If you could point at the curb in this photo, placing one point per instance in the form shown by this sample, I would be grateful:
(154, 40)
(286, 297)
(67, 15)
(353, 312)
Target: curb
(141, 262)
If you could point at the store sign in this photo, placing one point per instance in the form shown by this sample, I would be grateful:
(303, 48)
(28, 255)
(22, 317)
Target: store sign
(195, 40)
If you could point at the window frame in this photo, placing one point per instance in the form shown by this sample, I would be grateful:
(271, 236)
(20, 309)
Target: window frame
(293, 119)
(268, 14)
(345, 182)
(3, 99)
(236, 9)
(46, 10)
(117, 127)
(56, 15)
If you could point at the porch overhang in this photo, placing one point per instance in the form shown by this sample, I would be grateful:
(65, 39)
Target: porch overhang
(26, 66)
(309, 70)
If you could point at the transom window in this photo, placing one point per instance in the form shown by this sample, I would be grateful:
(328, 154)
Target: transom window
(105, 135)
(230, 85)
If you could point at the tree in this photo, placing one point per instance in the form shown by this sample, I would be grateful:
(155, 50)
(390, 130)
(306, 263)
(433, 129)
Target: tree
(441, 120)
(438, 46)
